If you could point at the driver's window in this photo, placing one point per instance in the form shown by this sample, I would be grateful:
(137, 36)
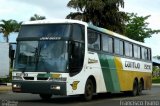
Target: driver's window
(77, 56)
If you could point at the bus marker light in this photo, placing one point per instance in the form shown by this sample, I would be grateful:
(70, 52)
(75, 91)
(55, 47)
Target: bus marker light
(56, 75)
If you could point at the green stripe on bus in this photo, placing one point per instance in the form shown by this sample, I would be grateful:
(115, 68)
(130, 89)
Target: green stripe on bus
(109, 73)
(43, 75)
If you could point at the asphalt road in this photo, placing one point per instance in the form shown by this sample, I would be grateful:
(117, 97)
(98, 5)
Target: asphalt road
(148, 98)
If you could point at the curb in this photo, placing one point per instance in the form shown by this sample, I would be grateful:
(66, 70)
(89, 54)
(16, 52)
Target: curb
(156, 84)
(9, 84)
(6, 84)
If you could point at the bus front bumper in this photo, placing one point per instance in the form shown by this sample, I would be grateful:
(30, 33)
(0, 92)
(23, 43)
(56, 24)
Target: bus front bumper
(39, 87)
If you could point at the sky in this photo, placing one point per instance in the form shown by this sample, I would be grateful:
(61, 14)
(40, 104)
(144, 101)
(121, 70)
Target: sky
(22, 10)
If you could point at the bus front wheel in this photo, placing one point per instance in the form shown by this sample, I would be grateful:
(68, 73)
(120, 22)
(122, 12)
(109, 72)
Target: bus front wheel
(45, 96)
(89, 89)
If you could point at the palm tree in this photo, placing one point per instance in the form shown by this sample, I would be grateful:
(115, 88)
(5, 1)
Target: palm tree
(37, 17)
(102, 13)
(9, 26)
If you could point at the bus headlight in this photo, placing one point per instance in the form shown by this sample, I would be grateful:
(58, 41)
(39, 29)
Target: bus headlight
(16, 86)
(55, 87)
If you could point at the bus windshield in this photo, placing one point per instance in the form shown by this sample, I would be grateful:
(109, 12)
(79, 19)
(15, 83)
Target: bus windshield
(41, 56)
(45, 30)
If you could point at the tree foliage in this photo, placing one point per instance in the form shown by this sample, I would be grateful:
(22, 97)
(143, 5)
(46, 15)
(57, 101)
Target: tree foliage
(137, 27)
(37, 17)
(157, 57)
(9, 26)
(102, 13)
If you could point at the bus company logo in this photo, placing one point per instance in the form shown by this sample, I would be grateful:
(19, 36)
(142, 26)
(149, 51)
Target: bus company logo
(91, 61)
(147, 67)
(132, 65)
(22, 74)
(74, 85)
(50, 38)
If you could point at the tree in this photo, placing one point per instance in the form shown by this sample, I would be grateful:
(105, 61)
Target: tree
(102, 13)
(137, 27)
(156, 71)
(9, 26)
(156, 57)
(37, 17)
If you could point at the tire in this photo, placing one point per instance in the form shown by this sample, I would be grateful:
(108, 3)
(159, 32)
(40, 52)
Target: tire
(134, 92)
(89, 89)
(140, 88)
(45, 96)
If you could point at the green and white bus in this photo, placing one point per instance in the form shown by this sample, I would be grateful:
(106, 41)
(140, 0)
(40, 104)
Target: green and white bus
(69, 57)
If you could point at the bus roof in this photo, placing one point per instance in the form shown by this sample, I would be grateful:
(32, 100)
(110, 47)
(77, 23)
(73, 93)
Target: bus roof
(86, 24)
(54, 21)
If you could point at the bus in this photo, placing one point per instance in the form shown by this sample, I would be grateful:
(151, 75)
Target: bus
(71, 57)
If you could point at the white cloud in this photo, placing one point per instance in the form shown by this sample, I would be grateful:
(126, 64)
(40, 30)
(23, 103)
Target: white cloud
(18, 11)
(154, 43)
(22, 10)
(5, 8)
(144, 8)
(154, 21)
(51, 8)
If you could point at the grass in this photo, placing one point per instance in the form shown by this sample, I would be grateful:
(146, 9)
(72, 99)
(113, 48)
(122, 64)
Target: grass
(156, 80)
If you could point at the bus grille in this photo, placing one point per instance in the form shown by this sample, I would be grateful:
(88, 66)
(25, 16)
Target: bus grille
(39, 78)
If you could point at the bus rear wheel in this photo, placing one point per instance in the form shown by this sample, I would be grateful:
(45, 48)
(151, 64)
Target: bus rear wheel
(134, 92)
(45, 96)
(89, 89)
(140, 88)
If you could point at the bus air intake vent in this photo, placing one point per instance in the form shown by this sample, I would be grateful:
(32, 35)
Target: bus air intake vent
(28, 78)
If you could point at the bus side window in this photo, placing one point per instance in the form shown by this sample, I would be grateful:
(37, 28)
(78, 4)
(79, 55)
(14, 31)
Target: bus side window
(144, 53)
(107, 43)
(93, 40)
(149, 54)
(121, 47)
(118, 46)
(128, 49)
(136, 51)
